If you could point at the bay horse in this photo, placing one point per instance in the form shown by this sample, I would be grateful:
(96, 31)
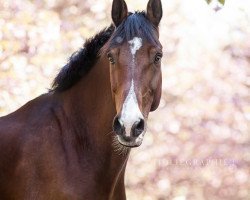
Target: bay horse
(74, 141)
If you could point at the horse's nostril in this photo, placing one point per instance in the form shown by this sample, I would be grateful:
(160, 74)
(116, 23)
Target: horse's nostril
(118, 127)
(140, 125)
(138, 128)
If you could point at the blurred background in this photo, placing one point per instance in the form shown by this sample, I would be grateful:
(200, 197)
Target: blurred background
(198, 141)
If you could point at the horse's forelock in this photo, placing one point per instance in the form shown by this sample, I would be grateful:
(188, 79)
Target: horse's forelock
(135, 25)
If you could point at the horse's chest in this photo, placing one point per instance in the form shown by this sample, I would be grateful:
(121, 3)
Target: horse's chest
(54, 184)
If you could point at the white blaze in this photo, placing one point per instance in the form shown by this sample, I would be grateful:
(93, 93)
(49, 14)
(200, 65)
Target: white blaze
(130, 110)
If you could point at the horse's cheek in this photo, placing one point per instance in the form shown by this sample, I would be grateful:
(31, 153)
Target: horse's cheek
(157, 86)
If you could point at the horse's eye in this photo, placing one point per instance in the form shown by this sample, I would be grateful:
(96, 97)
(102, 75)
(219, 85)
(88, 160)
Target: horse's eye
(111, 59)
(158, 57)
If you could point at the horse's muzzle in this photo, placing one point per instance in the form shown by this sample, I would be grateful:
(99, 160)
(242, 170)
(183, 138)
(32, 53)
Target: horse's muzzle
(131, 136)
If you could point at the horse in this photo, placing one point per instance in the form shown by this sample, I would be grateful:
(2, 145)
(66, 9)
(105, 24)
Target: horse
(74, 141)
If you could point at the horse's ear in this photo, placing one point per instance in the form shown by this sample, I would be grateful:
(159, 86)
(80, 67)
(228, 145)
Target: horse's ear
(119, 11)
(154, 11)
(157, 96)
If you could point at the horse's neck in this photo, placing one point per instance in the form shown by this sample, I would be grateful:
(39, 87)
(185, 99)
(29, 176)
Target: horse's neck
(88, 104)
(89, 108)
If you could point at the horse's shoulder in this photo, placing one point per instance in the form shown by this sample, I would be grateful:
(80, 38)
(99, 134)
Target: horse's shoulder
(30, 128)
(31, 119)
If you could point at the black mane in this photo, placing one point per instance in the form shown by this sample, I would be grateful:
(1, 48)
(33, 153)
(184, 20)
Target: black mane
(79, 64)
(81, 61)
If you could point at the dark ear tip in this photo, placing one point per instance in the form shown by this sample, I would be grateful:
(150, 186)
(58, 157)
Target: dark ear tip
(154, 11)
(119, 11)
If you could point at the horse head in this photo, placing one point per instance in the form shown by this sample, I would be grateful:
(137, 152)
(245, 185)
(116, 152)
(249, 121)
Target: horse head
(135, 53)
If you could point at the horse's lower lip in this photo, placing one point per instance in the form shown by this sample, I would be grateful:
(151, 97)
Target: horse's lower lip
(130, 145)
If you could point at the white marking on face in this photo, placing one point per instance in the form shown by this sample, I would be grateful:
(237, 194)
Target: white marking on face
(130, 110)
(135, 45)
